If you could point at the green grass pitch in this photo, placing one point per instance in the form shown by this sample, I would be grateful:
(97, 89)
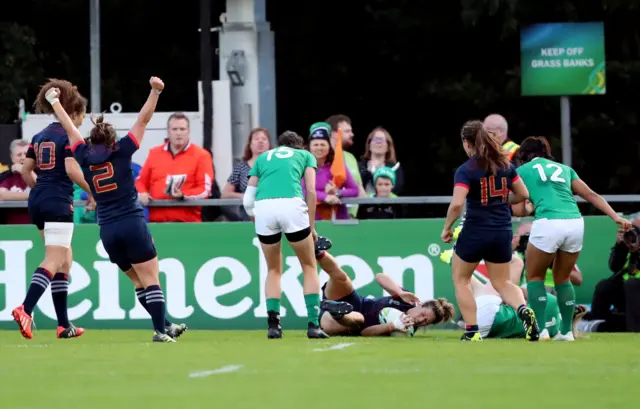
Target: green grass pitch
(242, 369)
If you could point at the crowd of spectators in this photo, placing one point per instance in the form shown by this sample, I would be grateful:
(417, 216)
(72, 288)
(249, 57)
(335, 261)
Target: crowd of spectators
(180, 170)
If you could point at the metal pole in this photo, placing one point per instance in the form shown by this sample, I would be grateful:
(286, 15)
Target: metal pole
(565, 123)
(206, 73)
(94, 23)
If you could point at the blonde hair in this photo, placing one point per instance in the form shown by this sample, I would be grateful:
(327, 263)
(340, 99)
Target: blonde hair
(442, 309)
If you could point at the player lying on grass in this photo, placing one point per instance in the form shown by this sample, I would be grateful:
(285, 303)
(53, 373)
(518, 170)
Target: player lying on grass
(345, 312)
(498, 320)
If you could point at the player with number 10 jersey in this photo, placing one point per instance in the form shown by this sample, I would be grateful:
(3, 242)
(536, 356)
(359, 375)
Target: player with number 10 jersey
(558, 229)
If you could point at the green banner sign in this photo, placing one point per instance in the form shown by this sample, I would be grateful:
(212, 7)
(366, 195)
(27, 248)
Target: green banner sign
(213, 273)
(563, 59)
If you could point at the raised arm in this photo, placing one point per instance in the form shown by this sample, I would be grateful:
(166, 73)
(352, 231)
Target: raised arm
(74, 134)
(149, 107)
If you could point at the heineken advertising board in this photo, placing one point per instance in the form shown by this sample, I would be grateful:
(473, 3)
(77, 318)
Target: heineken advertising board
(213, 274)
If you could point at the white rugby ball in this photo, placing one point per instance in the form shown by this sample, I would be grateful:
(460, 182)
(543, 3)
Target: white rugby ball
(388, 315)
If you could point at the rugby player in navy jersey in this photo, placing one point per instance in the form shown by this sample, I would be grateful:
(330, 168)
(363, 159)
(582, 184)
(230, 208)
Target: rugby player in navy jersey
(106, 164)
(51, 208)
(484, 181)
(345, 312)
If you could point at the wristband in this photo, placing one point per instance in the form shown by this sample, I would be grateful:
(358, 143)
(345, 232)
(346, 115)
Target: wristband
(156, 91)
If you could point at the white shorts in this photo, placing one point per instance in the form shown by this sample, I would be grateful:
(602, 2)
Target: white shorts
(275, 216)
(551, 235)
(487, 308)
(58, 234)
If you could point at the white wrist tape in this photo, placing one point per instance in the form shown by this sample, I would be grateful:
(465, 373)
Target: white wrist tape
(248, 200)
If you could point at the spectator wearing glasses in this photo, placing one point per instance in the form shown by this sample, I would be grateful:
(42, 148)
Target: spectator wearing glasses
(380, 152)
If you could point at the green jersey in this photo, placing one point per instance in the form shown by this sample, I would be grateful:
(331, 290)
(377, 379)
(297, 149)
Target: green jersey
(280, 171)
(549, 185)
(507, 324)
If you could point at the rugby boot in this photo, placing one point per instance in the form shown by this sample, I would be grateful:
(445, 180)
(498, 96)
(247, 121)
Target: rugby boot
(322, 245)
(337, 309)
(24, 321)
(315, 332)
(578, 313)
(176, 330)
(564, 337)
(528, 317)
(275, 329)
(544, 335)
(71, 332)
(471, 337)
(158, 337)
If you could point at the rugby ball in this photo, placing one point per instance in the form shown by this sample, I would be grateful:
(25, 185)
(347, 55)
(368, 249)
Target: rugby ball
(388, 315)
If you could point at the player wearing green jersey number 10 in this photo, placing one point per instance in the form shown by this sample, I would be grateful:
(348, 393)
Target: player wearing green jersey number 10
(558, 228)
(275, 202)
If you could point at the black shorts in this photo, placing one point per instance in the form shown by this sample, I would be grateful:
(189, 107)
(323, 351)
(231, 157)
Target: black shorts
(493, 246)
(128, 241)
(52, 211)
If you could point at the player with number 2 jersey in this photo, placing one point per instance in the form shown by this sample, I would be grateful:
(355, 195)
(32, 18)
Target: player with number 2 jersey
(275, 201)
(558, 228)
(106, 164)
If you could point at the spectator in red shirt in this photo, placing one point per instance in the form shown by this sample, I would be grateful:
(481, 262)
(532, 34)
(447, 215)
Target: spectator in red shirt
(13, 187)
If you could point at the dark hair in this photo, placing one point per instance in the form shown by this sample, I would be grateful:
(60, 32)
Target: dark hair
(442, 309)
(291, 139)
(330, 155)
(534, 147)
(335, 120)
(488, 150)
(247, 148)
(72, 101)
(178, 115)
(103, 133)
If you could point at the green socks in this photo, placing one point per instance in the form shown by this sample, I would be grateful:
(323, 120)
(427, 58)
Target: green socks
(273, 304)
(538, 300)
(312, 301)
(566, 304)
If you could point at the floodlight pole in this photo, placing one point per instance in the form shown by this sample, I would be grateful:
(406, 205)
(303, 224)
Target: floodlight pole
(565, 127)
(94, 53)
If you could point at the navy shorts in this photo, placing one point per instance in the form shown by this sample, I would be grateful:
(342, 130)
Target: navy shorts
(128, 241)
(355, 299)
(493, 246)
(53, 211)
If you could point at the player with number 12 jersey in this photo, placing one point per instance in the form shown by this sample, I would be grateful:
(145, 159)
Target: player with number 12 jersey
(558, 229)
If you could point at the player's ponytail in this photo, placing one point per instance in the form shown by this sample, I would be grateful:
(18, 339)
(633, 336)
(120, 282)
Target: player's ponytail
(486, 147)
(442, 309)
(72, 101)
(291, 140)
(103, 133)
(534, 147)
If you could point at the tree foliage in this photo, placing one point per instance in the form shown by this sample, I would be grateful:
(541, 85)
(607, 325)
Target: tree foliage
(419, 68)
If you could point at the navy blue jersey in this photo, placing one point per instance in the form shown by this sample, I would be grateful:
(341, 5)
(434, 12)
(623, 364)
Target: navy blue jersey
(371, 308)
(488, 197)
(108, 173)
(49, 148)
